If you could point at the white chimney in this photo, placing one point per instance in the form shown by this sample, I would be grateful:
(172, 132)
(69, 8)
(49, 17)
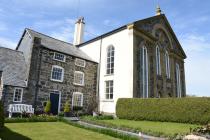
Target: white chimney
(79, 31)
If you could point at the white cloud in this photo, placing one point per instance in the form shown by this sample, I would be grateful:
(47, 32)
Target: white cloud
(4, 42)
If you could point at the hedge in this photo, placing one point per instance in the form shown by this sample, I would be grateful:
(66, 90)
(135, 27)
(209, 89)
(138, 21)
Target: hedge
(1, 115)
(183, 110)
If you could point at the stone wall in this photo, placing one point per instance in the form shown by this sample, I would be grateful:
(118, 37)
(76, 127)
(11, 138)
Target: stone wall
(40, 84)
(159, 85)
(1, 84)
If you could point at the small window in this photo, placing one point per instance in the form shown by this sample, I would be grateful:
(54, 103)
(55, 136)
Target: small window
(109, 89)
(77, 99)
(158, 66)
(78, 78)
(59, 57)
(80, 62)
(57, 73)
(167, 61)
(18, 93)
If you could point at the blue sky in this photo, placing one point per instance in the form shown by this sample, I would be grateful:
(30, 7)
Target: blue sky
(190, 20)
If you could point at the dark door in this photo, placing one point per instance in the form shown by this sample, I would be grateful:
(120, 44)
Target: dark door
(54, 99)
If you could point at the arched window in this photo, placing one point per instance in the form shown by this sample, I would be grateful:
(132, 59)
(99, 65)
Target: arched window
(144, 72)
(158, 67)
(110, 60)
(178, 81)
(167, 61)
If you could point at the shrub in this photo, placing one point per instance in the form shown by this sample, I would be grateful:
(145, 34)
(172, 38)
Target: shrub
(47, 107)
(184, 110)
(34, 118)
(1, 115)
(104, 117)
(67, 107)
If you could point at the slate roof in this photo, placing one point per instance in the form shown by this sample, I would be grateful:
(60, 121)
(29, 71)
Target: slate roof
(13, 65)
(58, 45)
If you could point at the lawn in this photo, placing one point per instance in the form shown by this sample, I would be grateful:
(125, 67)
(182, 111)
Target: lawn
(48, 130)
(166, 129)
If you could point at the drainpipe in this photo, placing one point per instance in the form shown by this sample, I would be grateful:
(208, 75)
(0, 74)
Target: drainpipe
(98, 77)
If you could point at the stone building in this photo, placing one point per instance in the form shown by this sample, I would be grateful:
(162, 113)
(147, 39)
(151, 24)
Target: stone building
(142, 59)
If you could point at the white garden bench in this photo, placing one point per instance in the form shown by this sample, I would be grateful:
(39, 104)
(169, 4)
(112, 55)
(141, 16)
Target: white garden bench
(20, 108)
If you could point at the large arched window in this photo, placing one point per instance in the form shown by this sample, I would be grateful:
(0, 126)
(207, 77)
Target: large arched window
(110, 60)
(178, 81)
(158, 66)
(167, 61)
(144, 72)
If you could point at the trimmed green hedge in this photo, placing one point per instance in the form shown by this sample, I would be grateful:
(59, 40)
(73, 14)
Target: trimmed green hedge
(1, 115)
(184, 110)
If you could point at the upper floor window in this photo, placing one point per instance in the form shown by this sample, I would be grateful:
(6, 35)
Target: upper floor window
(77, 99)
(167, 61)
(158, 66)
(18, 93)
(80, 62)
(79, 78)
(59, 57)
(110, 60)
(57, 73)
(109, 89)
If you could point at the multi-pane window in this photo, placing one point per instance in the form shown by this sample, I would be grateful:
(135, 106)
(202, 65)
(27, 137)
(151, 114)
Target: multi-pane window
(57, 73)
(77, 99)
(80, 62)
(79, 78)
(178, 81)
(144, 72)
(18, 93)
(110, 60)
(167, 61)
(109, 89)
(158, 66)
(59, 57)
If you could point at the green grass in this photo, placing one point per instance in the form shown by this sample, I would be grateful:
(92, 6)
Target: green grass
(165, 129)
(48, 130)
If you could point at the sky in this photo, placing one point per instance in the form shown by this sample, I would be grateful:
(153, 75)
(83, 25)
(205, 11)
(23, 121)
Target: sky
(190, 20)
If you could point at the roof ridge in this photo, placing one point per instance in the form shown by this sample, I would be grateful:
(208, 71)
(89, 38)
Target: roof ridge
(10, 49)
(49, 36)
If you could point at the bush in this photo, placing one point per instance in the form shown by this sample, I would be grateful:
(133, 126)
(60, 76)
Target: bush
(34, 118)
(67, 107)
(104, 117)
(47, 107)
(1, 115)
(184, 110)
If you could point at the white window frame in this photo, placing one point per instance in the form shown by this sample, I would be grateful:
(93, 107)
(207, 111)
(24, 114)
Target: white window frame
(145, 89)
(64, 58)
(77, 93)
(62, 76)
(178, 81)
(109, 90)
(167, 63)
(83, 75)
(110, 48)
(78, 59)
(158, 65)
(21, 95)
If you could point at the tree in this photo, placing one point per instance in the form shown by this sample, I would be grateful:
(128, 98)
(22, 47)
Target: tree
(47, 107)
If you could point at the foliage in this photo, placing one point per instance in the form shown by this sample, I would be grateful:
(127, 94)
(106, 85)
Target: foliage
(104, 117)
(67, 107)
(61, 114)
(47, 107)
(1, 115)
(184, 110)
(33, 118)
(159, 129)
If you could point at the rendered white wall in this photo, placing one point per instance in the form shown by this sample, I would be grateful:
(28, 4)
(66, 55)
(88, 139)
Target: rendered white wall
(123, 67)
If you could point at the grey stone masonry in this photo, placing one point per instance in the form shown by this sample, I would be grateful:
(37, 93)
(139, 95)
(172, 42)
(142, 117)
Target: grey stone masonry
(40, 84)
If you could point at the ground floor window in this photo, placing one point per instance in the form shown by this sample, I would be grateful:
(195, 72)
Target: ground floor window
(18, 93)
(109, 89)
(77, 99)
